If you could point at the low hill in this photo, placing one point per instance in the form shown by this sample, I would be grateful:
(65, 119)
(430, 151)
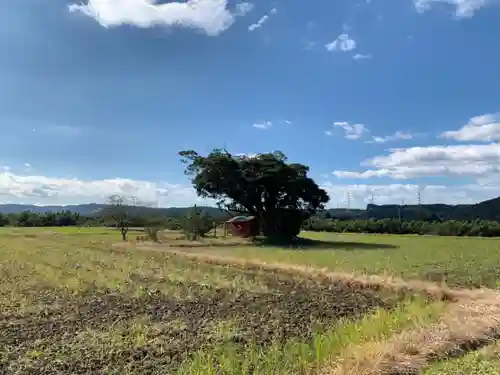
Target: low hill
(83, 209)
(94, 209)
(487, 210)
(343, 213)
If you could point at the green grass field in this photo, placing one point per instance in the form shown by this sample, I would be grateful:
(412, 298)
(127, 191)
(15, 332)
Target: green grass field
(483, 362)
(72, 301)
(457, 261)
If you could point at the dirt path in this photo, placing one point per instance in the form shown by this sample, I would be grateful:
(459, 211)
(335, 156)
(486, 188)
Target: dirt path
(392, 284)
(472, 320)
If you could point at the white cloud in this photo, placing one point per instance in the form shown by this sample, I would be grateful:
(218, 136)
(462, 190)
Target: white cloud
(361, 194)
(342, 43)
(32, 189)
(243, 8)
(247, 155)
(43, 190)
(480, 128)
(389, 138)
(477, 161)
(263, 125)
(212, 16)
(360, 56)
(261, 21)
(287, 122)
(481, 162)
(351, 131)
(463, 8)
(359, 175)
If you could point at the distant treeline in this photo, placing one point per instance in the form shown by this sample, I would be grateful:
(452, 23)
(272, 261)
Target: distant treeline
(68, 218)
(48, 219)
(487, 210)
(481, 228)
(474, 228)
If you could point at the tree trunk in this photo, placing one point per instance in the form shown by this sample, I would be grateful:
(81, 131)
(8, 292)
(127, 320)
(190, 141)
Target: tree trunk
(124, 233)
(281, 225)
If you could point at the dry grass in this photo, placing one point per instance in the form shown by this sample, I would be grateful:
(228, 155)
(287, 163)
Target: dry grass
(471, 320)
(459, 262)
(466, 325)
(485, 361)
(377, 282)
(126, 304)
(73, 303)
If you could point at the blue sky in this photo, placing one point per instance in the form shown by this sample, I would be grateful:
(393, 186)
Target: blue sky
(378, 97)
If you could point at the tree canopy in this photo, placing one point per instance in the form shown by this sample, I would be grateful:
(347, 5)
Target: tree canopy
(278, 193)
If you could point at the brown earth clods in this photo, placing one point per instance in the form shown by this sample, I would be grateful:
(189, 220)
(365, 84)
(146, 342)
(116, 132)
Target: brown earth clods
(90, 332)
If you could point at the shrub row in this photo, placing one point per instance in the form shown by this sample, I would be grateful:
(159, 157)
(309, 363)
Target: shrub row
(203, 223)
(67, 218)
(481, 228)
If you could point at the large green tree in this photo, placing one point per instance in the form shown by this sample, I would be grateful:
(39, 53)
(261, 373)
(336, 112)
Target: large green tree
(278, 193)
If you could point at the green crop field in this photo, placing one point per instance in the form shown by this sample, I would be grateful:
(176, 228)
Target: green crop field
(76, 301)
(483, 362)
(457, 261)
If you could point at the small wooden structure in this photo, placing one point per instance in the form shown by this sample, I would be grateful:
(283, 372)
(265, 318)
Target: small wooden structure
(242, 226)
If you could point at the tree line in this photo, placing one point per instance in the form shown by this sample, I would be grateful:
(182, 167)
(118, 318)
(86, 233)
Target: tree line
(47, 219)
(472, 228)
(69, 218)
(278, 194)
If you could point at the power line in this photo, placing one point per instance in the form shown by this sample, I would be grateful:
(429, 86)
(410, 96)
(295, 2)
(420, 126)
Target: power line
(400, 207)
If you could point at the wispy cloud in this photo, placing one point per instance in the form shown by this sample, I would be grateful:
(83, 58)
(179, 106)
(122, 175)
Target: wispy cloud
(309, 44)
(287, 122)
(463, 8)
(38, 189)
(211, 16)
(389, 138)
(63, 130)
(475, 161)
(480, 162)
(351, 131)
(44, 190)
(243, 8)
(360, 56)
(263, 125)
(485, 128)
(343, 43)
(262, 20)
(247, 155)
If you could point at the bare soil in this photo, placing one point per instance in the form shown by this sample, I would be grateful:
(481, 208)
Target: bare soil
(66, 333)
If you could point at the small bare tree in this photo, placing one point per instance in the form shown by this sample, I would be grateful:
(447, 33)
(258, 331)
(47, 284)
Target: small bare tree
(118, 211)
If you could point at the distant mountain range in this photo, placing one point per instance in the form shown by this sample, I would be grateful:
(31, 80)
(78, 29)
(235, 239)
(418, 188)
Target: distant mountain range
(487, 210)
